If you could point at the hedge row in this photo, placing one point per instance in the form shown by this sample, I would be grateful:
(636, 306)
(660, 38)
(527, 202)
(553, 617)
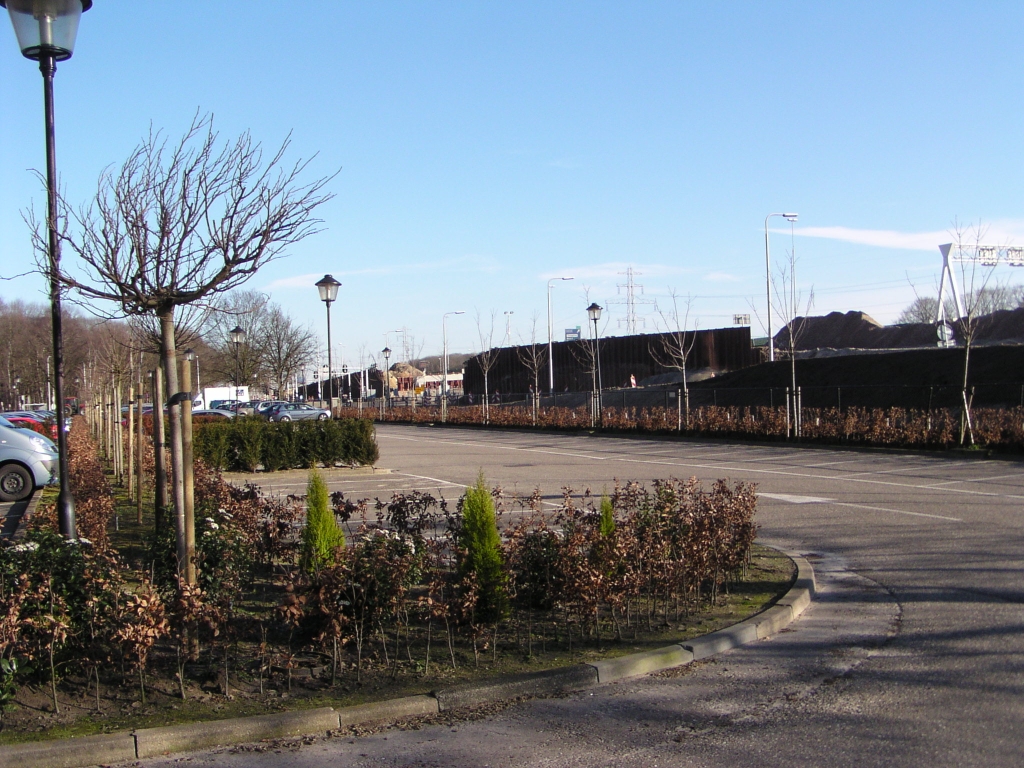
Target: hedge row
(243, 444)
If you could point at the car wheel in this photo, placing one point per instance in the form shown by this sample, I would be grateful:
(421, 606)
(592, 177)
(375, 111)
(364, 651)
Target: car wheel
(286, 418)
(16, 483)
(322, 417)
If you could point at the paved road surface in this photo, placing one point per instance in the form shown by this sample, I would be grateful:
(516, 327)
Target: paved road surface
(913, 654)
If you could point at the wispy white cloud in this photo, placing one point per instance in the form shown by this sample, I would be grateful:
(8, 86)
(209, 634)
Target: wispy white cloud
(471, 263)
(721, 277)
(997, 232)
(615, 270)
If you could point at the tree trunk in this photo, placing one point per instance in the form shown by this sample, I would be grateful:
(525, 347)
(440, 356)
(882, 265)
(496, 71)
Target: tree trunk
(967, 429)
(170, 363)
(159, 447)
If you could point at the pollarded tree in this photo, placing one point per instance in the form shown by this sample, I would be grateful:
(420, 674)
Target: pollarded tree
(177, 224)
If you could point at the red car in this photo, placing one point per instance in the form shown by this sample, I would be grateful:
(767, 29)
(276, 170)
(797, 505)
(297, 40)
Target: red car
(35, 425)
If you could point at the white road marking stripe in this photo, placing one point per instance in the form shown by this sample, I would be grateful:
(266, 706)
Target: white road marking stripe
(727, 468)
(896, 511)
(793, 499)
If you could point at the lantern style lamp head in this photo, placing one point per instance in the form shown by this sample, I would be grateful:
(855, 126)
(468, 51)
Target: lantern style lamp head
(595, 312)
(386, 352)
(190, 354)
(237, 335)
(344, 370)
(328, 288)
(46, 27)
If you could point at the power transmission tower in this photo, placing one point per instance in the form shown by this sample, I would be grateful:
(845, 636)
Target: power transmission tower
(631, 300)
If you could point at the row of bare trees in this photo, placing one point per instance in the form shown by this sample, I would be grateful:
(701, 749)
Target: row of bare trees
(168, 233)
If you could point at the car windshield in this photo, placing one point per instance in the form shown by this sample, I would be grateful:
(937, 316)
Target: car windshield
(5, 423)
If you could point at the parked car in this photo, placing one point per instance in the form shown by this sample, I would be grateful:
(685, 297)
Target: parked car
(296, 412)
(246, 409)
(212, 414)
(266, 405)
(222, 404)
(35, 425)
(32, 420)
(27, 461)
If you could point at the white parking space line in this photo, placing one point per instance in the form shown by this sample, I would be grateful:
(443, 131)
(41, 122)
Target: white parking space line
(433, 479)
(978, 479)
(896, 511)
(735, 468)
(793, 499)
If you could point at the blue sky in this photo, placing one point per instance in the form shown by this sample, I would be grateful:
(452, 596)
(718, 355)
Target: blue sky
(485, 147)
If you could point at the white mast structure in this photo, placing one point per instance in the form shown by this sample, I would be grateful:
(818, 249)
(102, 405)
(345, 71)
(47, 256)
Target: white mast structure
(980, 255)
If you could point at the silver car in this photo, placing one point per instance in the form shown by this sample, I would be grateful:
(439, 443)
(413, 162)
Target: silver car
(296, 412)
(27, 460)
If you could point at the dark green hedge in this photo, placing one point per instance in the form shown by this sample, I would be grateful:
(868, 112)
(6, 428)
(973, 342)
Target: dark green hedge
(242, 444)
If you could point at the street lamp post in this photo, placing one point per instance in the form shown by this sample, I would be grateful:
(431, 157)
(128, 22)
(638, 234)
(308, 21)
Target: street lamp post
(594, 311)
(768, 278)
(444, 363)
(46, 32)
(551, 361)
(328, 288)
(386, 385)
(348, 381)
(237, 336)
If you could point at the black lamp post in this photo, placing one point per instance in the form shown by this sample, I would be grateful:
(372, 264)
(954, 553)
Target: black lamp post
(237, 336)
(46, 31)
(387, 375)
(328, 288)
(594, 311)
(348, 383)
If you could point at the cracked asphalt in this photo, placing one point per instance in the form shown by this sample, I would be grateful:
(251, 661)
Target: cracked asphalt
(912, 653)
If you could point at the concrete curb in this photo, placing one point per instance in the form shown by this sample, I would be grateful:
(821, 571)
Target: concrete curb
(546, 683)
(70, 753)
(153, 742)
(393, 709)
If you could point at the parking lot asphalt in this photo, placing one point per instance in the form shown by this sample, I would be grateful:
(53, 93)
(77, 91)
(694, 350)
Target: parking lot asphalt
(913, 653)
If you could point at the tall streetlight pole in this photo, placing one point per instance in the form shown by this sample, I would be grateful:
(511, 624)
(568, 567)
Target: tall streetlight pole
(594, 311)
(46, 32)
(551, 361)
(768, 278)
(387, 375)
(237, 336)
(328, 288)
(444, 363)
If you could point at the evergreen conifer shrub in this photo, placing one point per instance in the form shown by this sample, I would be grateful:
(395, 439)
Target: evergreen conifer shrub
(481, 556)
(607, 517)
(322, 536)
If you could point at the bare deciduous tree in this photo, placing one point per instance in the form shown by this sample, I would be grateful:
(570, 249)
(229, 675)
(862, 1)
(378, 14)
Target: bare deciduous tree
(977, 297)
(285, 346)
(788, 300)
(675, 344)
(534, 357)
(488, 356)
(176, 224)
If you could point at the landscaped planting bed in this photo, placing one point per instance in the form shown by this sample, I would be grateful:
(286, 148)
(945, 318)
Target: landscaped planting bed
(370, 599)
